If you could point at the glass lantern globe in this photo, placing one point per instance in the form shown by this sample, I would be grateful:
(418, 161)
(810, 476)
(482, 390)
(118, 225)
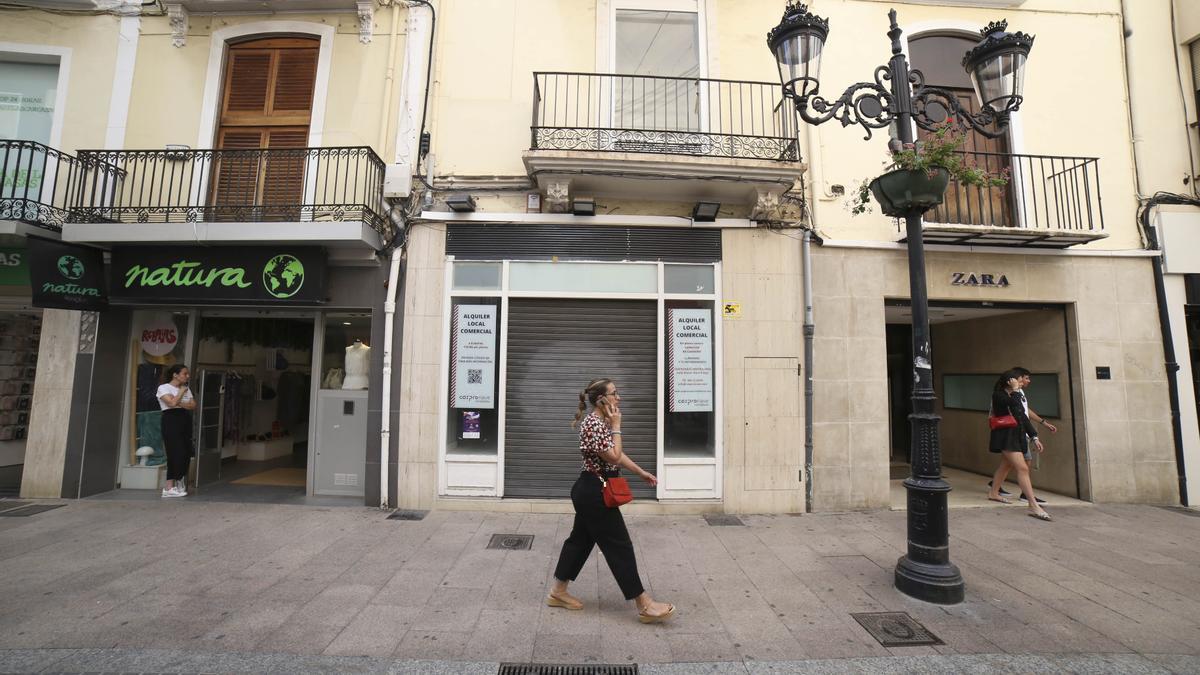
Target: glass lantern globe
(997, 67)
(797, 43)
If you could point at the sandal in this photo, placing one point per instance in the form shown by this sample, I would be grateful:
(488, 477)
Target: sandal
(656, 618)
(1041, 516)
(566, 601)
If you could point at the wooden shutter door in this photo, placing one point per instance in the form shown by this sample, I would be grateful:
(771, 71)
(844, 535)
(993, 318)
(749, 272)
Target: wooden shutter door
(267, 105)
(991, 206)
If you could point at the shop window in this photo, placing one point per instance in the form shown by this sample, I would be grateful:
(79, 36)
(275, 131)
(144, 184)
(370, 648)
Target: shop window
(474, 383)
(689, 417)
(974, 392)
(162, 342)
(583, 277)
(346, 356)
(697, 279)
(476, 276)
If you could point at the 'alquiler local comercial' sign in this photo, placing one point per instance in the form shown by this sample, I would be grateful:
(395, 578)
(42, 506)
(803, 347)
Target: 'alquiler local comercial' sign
(196, 274)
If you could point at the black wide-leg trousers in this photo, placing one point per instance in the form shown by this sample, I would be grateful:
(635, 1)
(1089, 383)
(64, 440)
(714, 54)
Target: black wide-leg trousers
(598, 525)
(177, 441)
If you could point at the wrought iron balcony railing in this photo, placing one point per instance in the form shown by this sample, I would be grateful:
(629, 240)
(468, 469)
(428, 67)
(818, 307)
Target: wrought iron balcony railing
(342, 184)
(1043, 193)
(697, 117)
(37, 183)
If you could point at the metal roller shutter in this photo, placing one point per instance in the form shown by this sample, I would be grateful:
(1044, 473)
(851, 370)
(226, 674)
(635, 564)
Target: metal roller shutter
(555, 347)
(481, 241)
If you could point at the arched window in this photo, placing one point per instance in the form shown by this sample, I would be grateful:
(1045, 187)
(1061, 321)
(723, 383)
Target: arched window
(939, 58)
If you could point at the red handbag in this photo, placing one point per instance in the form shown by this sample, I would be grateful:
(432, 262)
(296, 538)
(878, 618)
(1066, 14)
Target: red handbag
(615, 490)
(1002, 422)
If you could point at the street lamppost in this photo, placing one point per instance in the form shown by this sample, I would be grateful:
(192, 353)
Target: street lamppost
(899, 98)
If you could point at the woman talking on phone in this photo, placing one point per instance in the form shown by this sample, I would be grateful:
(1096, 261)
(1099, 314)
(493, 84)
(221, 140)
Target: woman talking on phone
(595, 523)
(177, 403)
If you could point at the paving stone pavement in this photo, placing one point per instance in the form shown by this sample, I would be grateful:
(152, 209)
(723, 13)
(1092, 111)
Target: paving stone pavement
(196, 587)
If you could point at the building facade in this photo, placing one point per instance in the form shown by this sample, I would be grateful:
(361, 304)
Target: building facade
(614, 189)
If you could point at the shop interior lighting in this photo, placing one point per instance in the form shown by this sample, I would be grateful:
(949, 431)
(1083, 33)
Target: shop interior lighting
(461, 203)
(584, 206)
(705, 212)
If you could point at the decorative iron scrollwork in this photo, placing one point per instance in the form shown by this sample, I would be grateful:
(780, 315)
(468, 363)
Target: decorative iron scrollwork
(867, 104)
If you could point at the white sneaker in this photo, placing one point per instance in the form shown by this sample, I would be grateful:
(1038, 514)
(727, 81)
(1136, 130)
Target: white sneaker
(181, 490)
(174, 492)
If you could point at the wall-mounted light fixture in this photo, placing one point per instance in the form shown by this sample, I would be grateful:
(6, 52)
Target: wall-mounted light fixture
(583, 206)
(461, 203)
(706, 212)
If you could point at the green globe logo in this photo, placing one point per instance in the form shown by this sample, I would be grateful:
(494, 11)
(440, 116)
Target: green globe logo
(70, 267)
(283, 276)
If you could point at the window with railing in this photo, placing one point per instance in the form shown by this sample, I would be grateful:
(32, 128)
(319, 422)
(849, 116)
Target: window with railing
(37, 183)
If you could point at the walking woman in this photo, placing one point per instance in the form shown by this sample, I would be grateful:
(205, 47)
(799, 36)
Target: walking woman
(596, 524)
(1012, 442)
(177, 404)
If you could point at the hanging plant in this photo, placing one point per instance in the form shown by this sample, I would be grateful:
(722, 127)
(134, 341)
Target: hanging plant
(920, 173)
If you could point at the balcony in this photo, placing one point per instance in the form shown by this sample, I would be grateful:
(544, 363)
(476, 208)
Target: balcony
(1049, 202)
(36, 187)
(721, 140)
(324, 196)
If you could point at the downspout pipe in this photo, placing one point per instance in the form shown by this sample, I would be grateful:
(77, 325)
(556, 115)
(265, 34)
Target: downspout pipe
(1168, 340)
(389, 319)
(809, 333)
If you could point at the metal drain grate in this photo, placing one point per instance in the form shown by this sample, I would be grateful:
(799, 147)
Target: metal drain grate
(6, 504)
(511, 542)
(564, 669)
(29, 510)
(721, 519)
(408, 515)
(896, 629)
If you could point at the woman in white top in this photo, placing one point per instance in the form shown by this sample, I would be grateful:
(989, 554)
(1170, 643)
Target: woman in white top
(177, 403)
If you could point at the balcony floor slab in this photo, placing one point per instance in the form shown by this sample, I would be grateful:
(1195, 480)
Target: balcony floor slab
(341, 235)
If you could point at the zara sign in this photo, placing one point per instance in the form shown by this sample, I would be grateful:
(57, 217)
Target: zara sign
(978, 279)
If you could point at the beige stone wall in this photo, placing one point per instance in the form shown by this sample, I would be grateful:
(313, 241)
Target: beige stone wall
(420, 367)
(46, 450)
(991, 345)
(1125, 446)
(764, 404)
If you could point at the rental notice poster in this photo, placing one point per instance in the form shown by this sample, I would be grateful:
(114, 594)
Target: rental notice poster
(473, 357)
(689, 351)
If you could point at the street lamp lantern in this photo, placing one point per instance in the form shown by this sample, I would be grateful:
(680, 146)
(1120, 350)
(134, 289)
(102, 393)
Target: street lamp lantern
(797, 43)
(997, 67)
(899, 98)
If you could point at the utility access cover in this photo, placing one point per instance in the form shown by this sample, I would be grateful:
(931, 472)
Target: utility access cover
(408, 515)
(896, 629)
(722, 519)
(29, 510)
(511, 542)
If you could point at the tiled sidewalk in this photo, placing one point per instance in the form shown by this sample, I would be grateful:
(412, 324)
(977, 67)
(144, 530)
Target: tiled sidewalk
(332, 582)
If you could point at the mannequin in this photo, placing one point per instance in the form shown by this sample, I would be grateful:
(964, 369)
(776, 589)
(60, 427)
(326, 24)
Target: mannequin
(358, 360)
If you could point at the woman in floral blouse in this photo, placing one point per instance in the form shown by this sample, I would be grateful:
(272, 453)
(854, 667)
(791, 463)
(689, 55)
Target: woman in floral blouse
(596, 524)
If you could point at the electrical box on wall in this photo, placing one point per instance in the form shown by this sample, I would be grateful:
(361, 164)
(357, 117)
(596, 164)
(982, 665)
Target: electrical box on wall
(397, 180)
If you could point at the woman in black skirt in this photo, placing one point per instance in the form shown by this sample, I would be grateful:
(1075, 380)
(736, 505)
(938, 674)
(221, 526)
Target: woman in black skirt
(177, 404)
(596, 524)
(1013, 442)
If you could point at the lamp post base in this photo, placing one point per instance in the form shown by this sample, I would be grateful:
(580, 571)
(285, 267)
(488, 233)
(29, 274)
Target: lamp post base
(940, 584)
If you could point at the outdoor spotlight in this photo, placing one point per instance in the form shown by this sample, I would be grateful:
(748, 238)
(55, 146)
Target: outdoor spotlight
(461, 203)
(705, 212)
(583, 206)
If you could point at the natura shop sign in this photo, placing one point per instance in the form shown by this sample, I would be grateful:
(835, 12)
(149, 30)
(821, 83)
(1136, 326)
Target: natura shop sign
(64, 276)
(227, 275)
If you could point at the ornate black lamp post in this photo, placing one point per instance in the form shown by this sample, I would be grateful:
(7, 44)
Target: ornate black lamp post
(900, 97)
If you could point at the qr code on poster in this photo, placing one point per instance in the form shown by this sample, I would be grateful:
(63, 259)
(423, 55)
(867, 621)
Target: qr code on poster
(474, 376)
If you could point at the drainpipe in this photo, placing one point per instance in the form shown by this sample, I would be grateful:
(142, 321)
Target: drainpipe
(389, 79)
(809, 332)
(389, 316)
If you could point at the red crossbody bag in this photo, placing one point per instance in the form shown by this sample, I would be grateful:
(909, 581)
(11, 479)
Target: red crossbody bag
(615, 490)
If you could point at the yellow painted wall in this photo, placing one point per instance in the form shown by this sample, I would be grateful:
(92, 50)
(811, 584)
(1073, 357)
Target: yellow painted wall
(168, 87)
(93, 44)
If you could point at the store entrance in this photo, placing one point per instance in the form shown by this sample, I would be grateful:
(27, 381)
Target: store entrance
(973, 343)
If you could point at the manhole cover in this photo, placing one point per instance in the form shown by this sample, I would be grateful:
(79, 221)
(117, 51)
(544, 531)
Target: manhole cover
(408, 515)
(896, 629)
(511, 542)
(722, 519)
(564, 669)
(6, 504)
(29, 510)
